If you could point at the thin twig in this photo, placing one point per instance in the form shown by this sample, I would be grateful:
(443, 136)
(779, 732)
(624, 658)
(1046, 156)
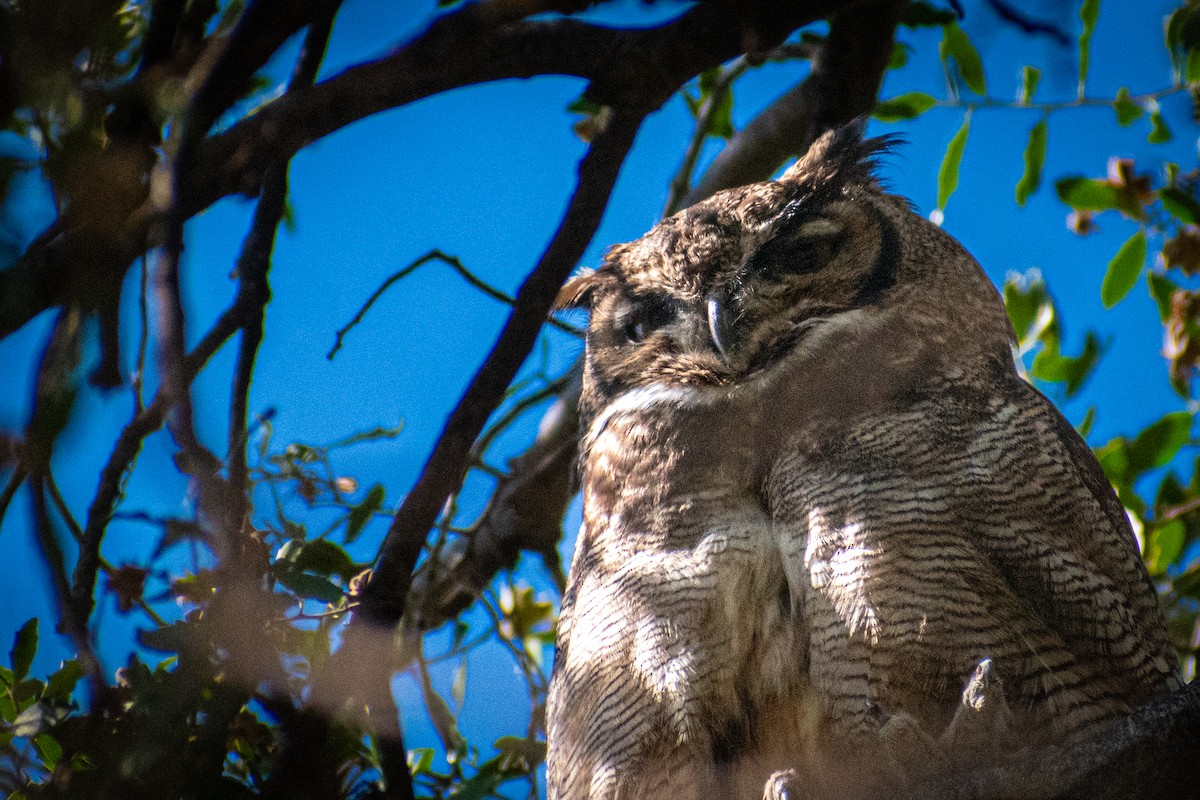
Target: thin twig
(1015, 16)
(139, 374)
(517, 409)
(384, 597)
(64, 512)
(1143, 100)
(454, 263)
(10, 488)
(681, 183)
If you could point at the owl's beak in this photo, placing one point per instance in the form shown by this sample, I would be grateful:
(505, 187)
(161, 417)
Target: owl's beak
(718, 324)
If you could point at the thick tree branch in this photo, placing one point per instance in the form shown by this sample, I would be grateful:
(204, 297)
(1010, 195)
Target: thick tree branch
(526, 509)
(384, 599)
(1150, 754)
(632, 68)
(842, 85)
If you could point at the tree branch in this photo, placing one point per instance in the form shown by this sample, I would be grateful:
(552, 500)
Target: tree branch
(842, 85)
(526, 509)
(1149, 754)
(383, 600)
(631, 68)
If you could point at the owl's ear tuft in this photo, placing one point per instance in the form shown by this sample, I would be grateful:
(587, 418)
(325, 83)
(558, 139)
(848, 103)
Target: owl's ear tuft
(842, 156)
(577, 291)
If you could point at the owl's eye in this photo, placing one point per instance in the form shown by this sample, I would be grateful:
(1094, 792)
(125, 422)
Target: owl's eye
(647, 315)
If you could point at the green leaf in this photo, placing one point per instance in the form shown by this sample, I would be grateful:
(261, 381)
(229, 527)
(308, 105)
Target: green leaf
(49, 749)
(1181, 205)
(60, 685)
(899, 56)
(1127, 110)
(1164, 545)
(420, 761)
(1088, 14)
(1030, 76)
(31, 722)
(322, 557)
(1088, 194)
(584, 105)
(919, 14)
(1051, 366)
(1191, 70)
(904, 106)
(1035, 159)
(361, 514)
(1089, 419)
(167, 639)
(482, 783)
(1162, 289)
(1124, 270)
(1159, 132)
(309, 586)
(956, 45)
(721, 120)
(1023, 305)
(948, 173)
(372, 435)
(1158, 444)
(24, 648)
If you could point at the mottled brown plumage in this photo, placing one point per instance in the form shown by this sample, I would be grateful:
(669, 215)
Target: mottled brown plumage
(818, 501)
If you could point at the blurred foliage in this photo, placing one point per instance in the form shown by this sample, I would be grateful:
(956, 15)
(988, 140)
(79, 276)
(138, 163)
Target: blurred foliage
(203, 706)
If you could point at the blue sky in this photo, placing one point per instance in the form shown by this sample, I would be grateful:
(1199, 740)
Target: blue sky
(484, 174)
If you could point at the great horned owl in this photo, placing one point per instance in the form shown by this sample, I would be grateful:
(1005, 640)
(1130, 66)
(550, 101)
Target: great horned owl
(818, 498)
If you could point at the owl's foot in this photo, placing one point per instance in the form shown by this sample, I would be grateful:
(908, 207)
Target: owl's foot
(980, 727)
(783, 785)
(912, 754)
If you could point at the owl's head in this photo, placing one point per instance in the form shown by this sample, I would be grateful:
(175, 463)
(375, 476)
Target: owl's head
(730, 287)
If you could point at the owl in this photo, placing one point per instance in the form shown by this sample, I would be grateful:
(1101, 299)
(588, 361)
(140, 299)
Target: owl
(831, 538)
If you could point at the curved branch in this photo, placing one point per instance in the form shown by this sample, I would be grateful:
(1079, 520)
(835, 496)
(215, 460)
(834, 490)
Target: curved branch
(628, 68)
(384, 598)
(842, 85)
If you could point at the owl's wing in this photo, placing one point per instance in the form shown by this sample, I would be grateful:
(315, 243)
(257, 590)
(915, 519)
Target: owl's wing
(974, 524)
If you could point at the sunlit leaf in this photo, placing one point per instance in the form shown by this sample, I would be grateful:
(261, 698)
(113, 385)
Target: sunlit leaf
(1035, 160)
(1051, 366)
(1124, 270)
(420, 761)
(1088, 194)
(1030, 77)
(1164, 545)
(30, 722)
(1127, 110)
(1162, 289)
(948, 173)
(1159, 132)
(905, 106)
